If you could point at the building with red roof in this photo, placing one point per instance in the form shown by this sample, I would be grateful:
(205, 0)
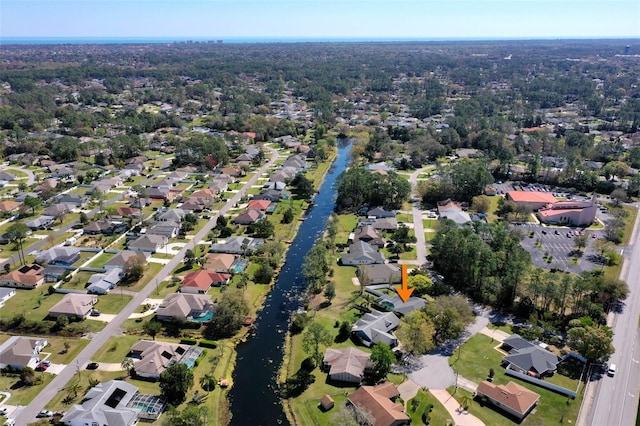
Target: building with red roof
(199, 282)
(533, 199)
(575, 213)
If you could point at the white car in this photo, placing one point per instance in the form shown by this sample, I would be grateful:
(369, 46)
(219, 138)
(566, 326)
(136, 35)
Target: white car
(45, 413)
(612, 370)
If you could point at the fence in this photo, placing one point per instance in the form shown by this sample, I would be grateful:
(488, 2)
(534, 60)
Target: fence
(541, 383)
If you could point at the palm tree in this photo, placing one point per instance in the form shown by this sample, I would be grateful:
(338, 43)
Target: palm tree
(465, 402)
(127, 365)
(208, 382)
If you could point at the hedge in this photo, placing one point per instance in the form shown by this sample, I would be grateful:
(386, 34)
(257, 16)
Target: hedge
(208, 343)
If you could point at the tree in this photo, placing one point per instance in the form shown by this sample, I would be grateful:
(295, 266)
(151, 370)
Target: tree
(98, 196)
(450, 316)
(127, 364)
(287, 216)
(416, 333)
(33, 203)
(580, 241)
(315, 335)
(593, 343)
(208, 382)
(315, 267)
(17, 233)
(175, 381)
(191, 416)
(134, 268)
(230, 315)
(330, 291)
(28, 376)
(263, 228)
(382, 357)
(152, 328)
(480, 203)
(190, 258)
(421, 284)
(469, 177)
(619, 195)
(304, 186)
(264, 273)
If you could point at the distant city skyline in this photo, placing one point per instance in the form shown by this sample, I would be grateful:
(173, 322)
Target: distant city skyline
(320, 19)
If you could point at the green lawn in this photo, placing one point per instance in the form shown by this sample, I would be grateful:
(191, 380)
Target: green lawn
(424, 400)
(20, 394)
(101, 260)
(113, 302)
(478, 355)
(79, 281)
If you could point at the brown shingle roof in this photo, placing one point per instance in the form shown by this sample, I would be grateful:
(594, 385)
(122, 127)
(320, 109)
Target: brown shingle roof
(376, 401)
(512, 395)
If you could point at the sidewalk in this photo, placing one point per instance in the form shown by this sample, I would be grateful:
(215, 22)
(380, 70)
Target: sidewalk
(460, 417)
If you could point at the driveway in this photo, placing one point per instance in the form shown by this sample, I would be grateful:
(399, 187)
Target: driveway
(102, 317)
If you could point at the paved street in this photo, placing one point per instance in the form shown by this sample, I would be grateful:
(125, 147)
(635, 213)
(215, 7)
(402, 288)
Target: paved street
(614, 400)
(112, 328)
(418, 228)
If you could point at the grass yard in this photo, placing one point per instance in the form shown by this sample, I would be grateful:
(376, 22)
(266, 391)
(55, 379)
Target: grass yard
(79, 281)
(113, 302)
(151, 271)
(101, 260)
(20, 394)
(116, 349)
(438, 415)
(477, 356)
(346, 225)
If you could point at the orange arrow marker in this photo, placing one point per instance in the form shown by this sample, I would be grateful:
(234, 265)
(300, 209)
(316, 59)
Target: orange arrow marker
(404, 291)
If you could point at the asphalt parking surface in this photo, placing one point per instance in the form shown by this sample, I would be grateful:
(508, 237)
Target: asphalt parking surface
(559, 247)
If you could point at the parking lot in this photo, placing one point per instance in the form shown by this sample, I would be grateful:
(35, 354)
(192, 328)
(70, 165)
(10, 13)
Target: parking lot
(558, 244)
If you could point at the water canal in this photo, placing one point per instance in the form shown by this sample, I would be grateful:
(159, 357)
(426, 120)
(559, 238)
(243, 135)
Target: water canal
(254, 398)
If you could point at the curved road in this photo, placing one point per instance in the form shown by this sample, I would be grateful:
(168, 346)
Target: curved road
(613, 401)
(31, 177)
(59, 382)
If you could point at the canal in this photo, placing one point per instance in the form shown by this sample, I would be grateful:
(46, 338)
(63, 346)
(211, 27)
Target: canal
(254, 398)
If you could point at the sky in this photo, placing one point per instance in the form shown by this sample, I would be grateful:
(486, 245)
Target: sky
(323, 19)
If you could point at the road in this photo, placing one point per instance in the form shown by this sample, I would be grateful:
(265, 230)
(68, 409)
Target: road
(615, 399)
(59, 382)
(418, 227)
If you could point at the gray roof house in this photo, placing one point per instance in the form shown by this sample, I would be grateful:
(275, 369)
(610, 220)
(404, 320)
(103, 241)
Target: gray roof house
(528, 358)
(385, 273)
(6, 294)
(105, 404)
(168, 229)
(102, 283)
(346, 364)
(184, 307)
(39, 222)
(237, 245)
(153, 357)
(148, 243)
(376, 327)
(379, 212)
(173, 215)
(361, 253)
(19, 352)
(395, 304)
(120, 259)
(369, 235)
(59, 256)
(74, 305)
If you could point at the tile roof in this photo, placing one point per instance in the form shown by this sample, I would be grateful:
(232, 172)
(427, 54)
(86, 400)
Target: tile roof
(512, 395)
(376, 400)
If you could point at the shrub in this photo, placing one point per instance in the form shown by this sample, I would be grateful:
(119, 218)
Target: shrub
(188, 341)
(309, 364)
(208, 343)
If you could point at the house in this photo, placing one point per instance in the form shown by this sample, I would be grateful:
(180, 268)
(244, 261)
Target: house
(205, 194)
(148, 243)
(54, 273)
(385, 273)
(4, 175)
(159, 194)
(173, 215)
(512, 398)
(272, 195)
(361, 253)
(276, 185)
(152, 357)
(452, 210)
(528, 358)
(219, 262)
(346, 364)
(6, 294)
(201, 281)
(237, 245)
(574, 213)
(535, 200)
(19, 352)
(379, 213)
(27, 276)
(261, 205)
(59, 256)
(168, 229)
(370, 236)
(104, 404)
(382, 224)
(9, 206)
(185, 307)
(102, 283)
(379, 403)
(249, 216)
(40, 222)
(58, 210)
(76, 200)
(231, 171)
(120, 260)
(74, 305)
(125, 211)
(106, 227)
(375, 327)
(395, 303)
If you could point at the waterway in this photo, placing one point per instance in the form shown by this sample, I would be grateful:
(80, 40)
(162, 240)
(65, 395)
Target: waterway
(254, 398)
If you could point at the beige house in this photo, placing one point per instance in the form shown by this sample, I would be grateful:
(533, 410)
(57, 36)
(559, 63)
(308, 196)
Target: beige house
(27, 276)
(379, 402)
(346, 365)
(74, 305)
(512, 398)
(184, 307)
(19, 352)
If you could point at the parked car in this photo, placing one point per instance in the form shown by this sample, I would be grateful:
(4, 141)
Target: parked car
(41, 367)
(92, 366)
(612, 370)
(46, 362)
(45, 413)
(95, 313)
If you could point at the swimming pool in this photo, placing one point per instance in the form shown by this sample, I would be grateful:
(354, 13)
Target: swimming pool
(204, 318)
